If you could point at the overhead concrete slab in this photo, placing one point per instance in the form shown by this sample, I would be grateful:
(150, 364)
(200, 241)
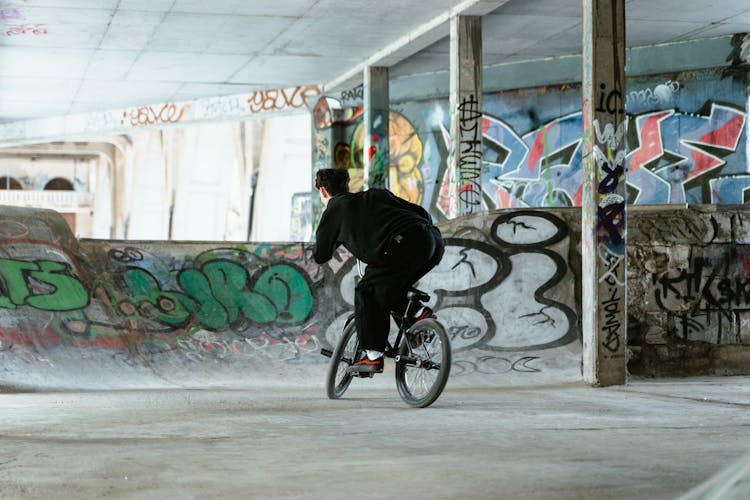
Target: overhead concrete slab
(245, 46)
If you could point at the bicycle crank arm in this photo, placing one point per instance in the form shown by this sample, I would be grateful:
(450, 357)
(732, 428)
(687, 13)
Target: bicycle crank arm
(419, 363)
(329, 354)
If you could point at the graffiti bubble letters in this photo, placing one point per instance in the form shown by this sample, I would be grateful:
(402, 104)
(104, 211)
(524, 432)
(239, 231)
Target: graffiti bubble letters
(533, 270)
(491, 365)
(11, 229)
(278, 99)
(220, 289)
(125, 255)
(468, 258)
(146, 115)
(524, 229)
(45, 285)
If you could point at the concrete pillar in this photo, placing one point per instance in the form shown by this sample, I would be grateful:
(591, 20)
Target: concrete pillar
(466, 114)
(376, 108)
(604, 195)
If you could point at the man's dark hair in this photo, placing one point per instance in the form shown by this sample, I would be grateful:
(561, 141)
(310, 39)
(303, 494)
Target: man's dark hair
(335, 180)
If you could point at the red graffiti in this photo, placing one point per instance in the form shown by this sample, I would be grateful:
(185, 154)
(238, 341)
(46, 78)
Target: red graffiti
(25, 29)
(724, 137)
(278, 99)
(146, 115)
(649, 138)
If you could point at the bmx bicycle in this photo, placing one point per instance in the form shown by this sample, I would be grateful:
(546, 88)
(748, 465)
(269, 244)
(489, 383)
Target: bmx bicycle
(421, 351)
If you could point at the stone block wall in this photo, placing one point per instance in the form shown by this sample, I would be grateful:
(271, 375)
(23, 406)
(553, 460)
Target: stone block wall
(689, 290)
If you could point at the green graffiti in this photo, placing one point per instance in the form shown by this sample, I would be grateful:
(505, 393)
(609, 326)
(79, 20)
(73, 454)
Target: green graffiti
(59, 290)
(144, 298)
(210, 312)
(218, 294)
(229, 282)
(288, 291)
(222, 294)
(11, 274)
(77, 326)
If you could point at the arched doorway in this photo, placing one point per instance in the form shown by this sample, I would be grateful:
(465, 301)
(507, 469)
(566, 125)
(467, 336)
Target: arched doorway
(63, 184)
(59, 184)
(7, 182)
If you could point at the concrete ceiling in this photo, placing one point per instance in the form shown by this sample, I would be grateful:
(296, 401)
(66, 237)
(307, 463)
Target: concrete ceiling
(70, 56)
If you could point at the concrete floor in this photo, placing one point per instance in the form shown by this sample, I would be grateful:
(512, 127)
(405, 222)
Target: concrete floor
(650, 439)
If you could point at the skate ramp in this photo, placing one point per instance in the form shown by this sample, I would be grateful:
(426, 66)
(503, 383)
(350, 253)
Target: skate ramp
(95, 314)
(731, 483)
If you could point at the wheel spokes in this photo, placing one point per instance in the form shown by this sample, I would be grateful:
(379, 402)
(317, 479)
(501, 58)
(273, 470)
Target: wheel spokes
(420, 380)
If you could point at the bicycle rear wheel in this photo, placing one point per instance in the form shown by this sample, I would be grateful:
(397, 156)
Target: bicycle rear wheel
(345, 354)
(424, 363)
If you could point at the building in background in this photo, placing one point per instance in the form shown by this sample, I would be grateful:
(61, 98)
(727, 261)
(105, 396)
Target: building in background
(220, 181)
(51, 179)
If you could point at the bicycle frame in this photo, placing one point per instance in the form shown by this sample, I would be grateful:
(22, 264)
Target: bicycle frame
(413, 348)
(390, 350)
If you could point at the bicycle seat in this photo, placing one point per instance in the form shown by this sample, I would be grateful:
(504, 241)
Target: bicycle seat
(414, 294)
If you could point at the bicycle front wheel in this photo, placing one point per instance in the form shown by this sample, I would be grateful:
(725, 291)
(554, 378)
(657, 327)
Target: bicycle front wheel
(424, 363)
(338, 380)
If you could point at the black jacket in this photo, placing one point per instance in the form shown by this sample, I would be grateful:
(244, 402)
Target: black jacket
(364, 222)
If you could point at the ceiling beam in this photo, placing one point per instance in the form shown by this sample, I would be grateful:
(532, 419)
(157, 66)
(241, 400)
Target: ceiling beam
(425, 35)
(47, 156)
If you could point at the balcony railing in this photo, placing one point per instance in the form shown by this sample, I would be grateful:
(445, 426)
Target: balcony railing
(62, 201)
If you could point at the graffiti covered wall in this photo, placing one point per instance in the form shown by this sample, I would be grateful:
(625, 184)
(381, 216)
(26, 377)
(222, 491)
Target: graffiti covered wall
(686, 143)
(128, 313)
(689, 283)
(123, 314)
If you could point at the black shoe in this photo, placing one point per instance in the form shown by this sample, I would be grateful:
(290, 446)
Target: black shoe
(425, 312)
(367, 366)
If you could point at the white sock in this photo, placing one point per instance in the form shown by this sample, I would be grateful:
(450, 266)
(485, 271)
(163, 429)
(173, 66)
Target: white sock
(373, 355)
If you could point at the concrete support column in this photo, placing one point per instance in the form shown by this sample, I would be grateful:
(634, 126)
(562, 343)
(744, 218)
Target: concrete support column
(376, 108)
(466, 114)
(604, 195)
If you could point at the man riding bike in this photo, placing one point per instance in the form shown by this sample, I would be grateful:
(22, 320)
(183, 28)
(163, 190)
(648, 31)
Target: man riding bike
(397, 241)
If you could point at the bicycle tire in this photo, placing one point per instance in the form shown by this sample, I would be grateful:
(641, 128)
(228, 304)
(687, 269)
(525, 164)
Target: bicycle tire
(337, 379)
(410, 379)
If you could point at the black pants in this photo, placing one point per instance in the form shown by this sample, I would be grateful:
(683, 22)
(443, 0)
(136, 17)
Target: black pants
(383, 288)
